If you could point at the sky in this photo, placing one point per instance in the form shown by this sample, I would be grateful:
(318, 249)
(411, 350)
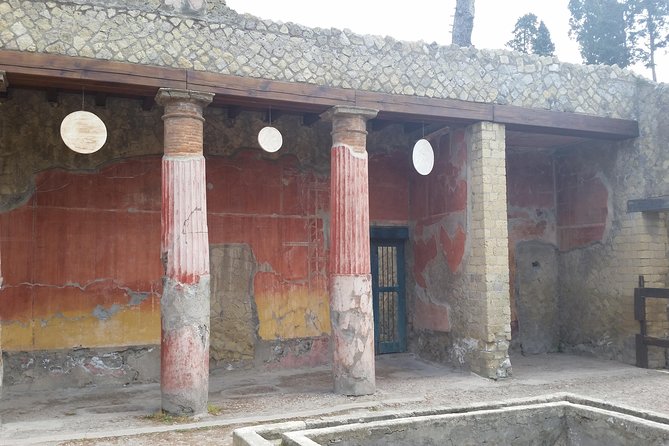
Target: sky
(431, 21)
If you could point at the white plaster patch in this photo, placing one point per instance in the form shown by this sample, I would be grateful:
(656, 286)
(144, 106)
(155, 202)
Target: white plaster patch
(354, 153)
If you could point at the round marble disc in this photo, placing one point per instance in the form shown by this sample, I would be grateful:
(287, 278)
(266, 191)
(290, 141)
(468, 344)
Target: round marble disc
(423, 157)
(83, 132)
(270, 139)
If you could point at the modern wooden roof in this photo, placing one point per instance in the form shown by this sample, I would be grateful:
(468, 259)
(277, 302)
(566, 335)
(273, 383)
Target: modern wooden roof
(65, 73)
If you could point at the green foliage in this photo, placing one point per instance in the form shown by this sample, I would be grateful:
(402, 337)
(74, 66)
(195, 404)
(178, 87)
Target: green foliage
(167, 418)
(531, 37)
(524, 34)
(620, 31)
(648, 29)
(543, 45)
(600, 27)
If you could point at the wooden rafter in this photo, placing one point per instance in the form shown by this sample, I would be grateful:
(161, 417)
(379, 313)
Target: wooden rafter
(35, 70)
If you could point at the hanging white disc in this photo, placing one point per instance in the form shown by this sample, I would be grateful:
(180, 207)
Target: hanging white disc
(423, 157)
(83, 132)
(270, 139)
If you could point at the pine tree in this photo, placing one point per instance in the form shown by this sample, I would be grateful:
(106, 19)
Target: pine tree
(524, 34)
(600, 27)
(463, 23)
(543, 45)
(648, 29)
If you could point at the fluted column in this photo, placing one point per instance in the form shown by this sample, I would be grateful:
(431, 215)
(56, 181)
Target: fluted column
(184, 355)
(350, 272)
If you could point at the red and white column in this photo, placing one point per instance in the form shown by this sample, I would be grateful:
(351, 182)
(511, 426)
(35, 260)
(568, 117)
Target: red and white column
(184, 355)
(351, 311)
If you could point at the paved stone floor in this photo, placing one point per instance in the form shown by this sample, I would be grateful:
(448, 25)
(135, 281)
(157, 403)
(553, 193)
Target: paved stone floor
(118, 416)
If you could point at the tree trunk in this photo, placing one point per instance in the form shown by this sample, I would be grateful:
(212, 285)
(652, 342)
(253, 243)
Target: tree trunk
(463, 23)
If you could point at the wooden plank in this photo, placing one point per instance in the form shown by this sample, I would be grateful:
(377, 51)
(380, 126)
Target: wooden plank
(429, 109)
(657, 293)
(38, 70)
(641, 352)
(574, 124)
(639, 305)
(277, 91)
(657, 342)
(656, 204)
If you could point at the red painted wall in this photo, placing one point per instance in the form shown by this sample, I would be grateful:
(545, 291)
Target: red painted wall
(82, 256)
(582, 201)
(80, 260)
(438, 208)
(531, 206)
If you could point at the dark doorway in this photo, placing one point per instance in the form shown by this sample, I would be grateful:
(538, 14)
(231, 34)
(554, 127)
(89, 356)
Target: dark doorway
(388, 291)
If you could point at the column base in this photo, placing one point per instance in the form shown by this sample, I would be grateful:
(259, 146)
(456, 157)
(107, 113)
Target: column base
(184, 354)
(352, 320)
(493, 361)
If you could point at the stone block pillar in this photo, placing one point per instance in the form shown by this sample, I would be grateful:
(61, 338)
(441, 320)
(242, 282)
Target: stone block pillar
(489, 262)
(184, 356)
(351, 312)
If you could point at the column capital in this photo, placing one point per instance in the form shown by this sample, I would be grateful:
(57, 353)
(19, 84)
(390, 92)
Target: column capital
(168, 96)
(347, 111)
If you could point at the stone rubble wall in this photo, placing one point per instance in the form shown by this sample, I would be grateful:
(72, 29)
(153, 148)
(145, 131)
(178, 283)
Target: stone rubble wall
(597, 282)
(194, 34)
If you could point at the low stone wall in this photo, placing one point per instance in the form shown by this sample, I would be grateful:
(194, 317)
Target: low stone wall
(54, 369)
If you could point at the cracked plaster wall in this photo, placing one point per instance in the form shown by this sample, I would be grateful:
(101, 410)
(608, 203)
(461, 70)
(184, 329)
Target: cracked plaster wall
(602, 248)
(83, 232)
(597, 280)
(436, 252)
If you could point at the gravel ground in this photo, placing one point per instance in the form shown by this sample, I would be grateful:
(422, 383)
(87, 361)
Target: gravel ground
(258, 397)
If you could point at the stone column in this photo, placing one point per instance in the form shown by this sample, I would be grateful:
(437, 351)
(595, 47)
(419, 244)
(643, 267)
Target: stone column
(488, 302)
(351, 312)
(2, 368)
(184, 355)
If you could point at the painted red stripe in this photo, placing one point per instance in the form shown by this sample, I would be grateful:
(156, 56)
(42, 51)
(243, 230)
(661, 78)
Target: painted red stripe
(349, 198)
(185, 240)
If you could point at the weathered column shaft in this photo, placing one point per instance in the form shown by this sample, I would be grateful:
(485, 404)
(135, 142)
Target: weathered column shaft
(184, 357)
(351, 311)
(1, 363)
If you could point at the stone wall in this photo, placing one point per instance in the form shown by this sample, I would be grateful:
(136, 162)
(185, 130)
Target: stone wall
(191, 34)
(597, 280)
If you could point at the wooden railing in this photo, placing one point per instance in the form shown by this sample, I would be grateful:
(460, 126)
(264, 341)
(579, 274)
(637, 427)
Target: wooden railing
(642, 339)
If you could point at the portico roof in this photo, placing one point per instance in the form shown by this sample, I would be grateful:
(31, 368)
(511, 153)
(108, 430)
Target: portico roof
(66, 73)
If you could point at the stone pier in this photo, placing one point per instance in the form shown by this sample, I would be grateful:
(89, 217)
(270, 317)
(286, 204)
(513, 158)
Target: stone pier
(184, 359)
(350, 272)
(488, 302)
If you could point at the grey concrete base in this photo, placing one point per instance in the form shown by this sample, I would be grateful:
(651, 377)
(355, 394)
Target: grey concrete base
(352, 320)
(184, 356)
(559, 420)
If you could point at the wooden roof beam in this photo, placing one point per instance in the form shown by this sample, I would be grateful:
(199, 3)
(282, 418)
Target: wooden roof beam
(37, 70)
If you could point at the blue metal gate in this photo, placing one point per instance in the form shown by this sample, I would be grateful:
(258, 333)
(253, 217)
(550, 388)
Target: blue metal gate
(388, 290)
